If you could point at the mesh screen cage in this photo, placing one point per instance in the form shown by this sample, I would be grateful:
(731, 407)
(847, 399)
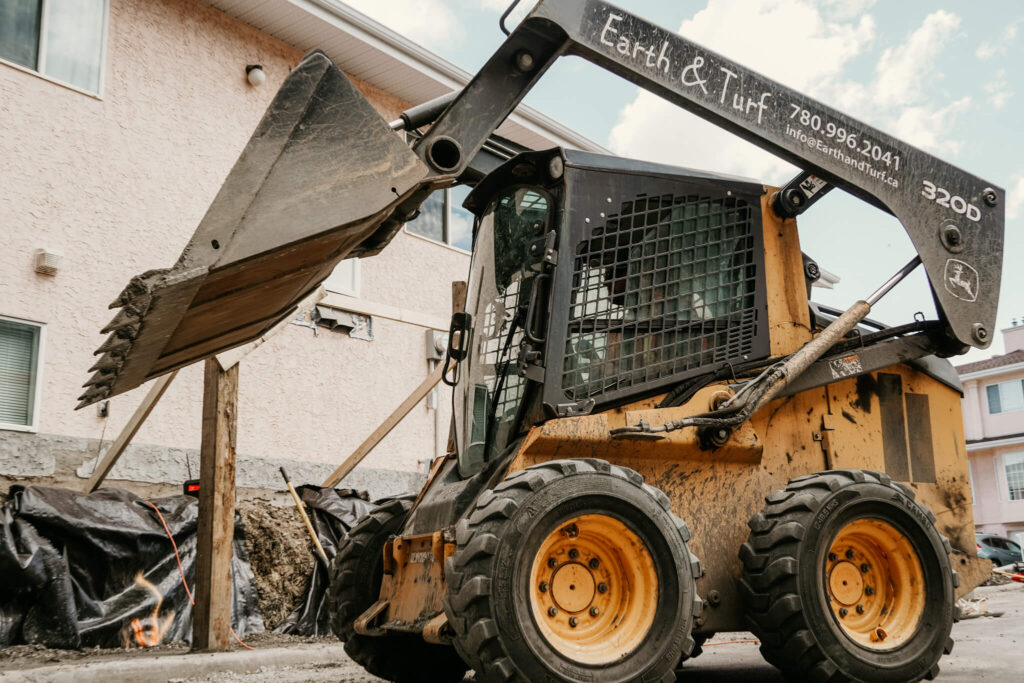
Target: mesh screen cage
(666, 281)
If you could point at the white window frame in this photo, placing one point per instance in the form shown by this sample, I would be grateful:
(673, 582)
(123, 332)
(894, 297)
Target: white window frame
(988, 404)
(40, 69)
(446, 222)
(337, 281)
(970, 478)
(38, 389)
(1006, 478)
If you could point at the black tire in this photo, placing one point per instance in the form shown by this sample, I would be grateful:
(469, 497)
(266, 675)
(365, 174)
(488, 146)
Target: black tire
(784, 579)
(488, 603)
(355, 579)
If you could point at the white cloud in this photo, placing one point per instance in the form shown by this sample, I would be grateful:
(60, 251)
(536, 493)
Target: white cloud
(844, 10)
(989, 49)
(905, 71)
(927, 127)
(788, 40)
(520, 11)
(998, 90)
(803, 44)
(1015, 198)
(430, 23)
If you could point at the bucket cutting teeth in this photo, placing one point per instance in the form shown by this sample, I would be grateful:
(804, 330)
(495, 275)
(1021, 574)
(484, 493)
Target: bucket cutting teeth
(138, 287)
(107, 363)
(92, 395)
(115, 345)
(100, 379)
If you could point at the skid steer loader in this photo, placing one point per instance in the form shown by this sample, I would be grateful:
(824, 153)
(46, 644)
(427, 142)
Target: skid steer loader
(637, 372)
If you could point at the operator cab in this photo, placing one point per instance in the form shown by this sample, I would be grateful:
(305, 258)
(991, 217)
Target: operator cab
(595, 281)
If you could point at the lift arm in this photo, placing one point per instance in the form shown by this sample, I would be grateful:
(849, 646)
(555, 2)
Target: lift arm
(324, 178)
(954, 219)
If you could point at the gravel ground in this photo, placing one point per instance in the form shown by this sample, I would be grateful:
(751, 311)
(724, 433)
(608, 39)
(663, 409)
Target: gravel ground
(987, 649)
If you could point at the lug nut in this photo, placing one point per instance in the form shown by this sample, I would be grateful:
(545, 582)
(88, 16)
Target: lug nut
(552, 612)
(843, 612)
(594, 611)
(602, 588)
(572, 530)
(868, 590)
(849, 554)
(573, 621)
(543, 586)
(573, 554)
(594, 563)
(832, 557)
(860, 609)
(865, 567)
(552, 562)
(880, 633)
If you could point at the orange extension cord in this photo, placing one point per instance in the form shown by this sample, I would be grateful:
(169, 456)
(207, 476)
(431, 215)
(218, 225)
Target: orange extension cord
(182, 571)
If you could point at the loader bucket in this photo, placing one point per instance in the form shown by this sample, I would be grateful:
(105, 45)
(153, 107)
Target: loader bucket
(320, 173)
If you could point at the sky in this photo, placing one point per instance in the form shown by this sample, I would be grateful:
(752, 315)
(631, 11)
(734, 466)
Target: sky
(937, 74)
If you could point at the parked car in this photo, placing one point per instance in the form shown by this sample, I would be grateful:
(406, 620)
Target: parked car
(998, 549)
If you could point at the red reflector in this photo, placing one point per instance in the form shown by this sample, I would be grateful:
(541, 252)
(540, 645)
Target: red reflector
(192, 488)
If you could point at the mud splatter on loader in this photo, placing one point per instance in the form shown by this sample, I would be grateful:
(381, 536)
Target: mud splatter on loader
(657, 435)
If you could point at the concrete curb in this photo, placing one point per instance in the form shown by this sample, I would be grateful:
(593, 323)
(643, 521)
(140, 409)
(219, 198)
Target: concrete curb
(178, 666)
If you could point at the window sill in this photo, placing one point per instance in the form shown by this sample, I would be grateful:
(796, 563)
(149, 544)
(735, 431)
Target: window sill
(5, 427)
(51, 79)
(372, 308)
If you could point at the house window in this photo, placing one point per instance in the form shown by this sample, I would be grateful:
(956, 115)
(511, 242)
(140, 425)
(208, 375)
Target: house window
(61, 39)
(1014, 464)
(1005, 396)
(20, 349)
(443, 219)
(345, 278)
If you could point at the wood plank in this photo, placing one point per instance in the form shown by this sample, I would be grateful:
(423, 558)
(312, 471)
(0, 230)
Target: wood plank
(211, 622)
(116, 449)
(231, 357)
(385, 427)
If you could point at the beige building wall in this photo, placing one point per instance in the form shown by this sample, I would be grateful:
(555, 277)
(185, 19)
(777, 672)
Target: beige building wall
(117, 183)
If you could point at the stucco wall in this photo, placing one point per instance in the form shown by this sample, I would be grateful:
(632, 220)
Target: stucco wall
(118, 183)
(994, 512)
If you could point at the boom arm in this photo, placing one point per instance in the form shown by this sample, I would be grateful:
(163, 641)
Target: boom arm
(324, 178)
(954, 219)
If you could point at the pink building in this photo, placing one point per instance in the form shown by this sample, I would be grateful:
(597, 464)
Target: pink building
(994, 426)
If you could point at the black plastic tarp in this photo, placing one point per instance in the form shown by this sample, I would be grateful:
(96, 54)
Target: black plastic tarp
(332, 513)
(86, 570)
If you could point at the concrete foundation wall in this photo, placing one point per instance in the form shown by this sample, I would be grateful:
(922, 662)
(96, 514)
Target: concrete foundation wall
(117, 183)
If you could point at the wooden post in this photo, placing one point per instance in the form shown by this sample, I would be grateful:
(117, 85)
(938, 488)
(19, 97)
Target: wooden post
(128, 433)
(211, 622)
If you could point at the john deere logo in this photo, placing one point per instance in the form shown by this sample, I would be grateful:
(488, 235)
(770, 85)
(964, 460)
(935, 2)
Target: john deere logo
(961, 280)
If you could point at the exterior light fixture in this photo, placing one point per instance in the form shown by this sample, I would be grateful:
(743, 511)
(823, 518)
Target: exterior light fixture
(255, 75)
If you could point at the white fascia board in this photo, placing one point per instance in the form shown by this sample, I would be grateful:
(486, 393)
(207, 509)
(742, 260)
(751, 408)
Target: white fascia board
(995, 443)
(993, 372)
(525, 125)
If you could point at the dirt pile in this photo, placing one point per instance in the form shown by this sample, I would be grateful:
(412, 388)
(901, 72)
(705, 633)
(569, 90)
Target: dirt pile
(281, 554)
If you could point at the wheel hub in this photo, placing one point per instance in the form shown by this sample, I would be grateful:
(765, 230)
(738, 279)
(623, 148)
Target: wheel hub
(846, 583)
(594, 589)
(874, 584)
(573, 587)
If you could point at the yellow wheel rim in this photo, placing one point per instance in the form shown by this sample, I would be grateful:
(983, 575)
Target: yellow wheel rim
(875, 584)
(593, 589)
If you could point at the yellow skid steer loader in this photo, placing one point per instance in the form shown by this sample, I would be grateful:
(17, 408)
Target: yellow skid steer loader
(657, 435)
